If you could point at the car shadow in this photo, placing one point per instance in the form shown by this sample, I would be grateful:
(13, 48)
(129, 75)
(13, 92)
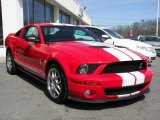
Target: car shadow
(81, 105)
(100, 106)
(32, 81)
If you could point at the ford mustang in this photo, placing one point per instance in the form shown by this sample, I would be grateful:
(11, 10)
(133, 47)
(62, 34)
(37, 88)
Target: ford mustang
(74, 65)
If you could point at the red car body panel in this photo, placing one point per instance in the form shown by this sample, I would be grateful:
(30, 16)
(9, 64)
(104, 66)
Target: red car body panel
(34, 57)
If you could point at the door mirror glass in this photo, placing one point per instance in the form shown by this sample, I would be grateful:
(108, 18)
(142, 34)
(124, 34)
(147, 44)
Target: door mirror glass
(105, 37)
(33, 38)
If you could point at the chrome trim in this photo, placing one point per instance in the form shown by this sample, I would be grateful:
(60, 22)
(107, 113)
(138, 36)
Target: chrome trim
(26, 67)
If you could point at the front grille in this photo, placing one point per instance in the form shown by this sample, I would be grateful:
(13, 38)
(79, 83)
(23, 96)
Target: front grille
(125, 66)
(124, 90)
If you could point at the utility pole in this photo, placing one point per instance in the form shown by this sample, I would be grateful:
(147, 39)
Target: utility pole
(143, 27)
(157, 18)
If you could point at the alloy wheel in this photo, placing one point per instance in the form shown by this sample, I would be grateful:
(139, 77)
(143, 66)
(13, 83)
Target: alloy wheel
(54, 83)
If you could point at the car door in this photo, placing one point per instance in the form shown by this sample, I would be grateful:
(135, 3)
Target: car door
(33, 50)
(20, 48)
(100, 33)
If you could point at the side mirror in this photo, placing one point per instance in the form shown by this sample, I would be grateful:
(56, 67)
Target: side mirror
(105, 37)
(32, 38)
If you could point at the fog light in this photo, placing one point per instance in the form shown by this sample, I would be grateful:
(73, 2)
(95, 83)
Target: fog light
(87, 92)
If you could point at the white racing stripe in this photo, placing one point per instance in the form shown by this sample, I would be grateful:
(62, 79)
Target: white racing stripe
(131, 54)
(115, 52)
(127, 79)
(135, 93)
(139, 77)
(118, 54)
(123, 96)
(128, 95)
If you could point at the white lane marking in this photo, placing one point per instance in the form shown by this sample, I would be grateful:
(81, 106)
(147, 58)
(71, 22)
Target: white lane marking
(135, 93)
(127, 79)
(131, 54)
(118, 54)
(139, 77)
(123, 96)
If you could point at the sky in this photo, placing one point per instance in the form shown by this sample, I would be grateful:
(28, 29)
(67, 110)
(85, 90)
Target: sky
(110, 13)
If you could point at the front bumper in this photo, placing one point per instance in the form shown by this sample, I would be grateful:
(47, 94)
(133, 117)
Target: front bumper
(104, 101)
(111, 81)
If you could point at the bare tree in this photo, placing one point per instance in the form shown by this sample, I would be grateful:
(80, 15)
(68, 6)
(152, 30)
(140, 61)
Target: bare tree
(147, 27)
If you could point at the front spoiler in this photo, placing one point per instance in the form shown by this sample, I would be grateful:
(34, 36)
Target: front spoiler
(104, 101)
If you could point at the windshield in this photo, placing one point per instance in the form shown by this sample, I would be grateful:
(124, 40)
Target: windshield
(66, 33)
(114, 34)
(155, 39)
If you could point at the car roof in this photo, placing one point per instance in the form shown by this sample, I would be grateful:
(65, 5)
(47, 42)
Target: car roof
(50, 24)
(91, 26)
(147, 36)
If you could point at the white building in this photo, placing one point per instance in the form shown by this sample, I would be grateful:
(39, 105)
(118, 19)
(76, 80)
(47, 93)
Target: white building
(14, 14)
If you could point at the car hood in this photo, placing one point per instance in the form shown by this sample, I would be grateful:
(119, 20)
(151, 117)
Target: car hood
(95, 52)
(132, 43)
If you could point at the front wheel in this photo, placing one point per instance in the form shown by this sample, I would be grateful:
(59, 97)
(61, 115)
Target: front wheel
(56, 84)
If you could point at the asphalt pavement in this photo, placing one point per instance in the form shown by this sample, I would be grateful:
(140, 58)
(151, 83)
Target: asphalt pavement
(23, 98)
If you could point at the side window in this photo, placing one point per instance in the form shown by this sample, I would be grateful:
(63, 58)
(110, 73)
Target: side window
(30, 31)
(99, 33)
(81, 35)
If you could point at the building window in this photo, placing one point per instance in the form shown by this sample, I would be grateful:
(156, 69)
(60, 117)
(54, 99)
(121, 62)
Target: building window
(39, 11)
(36, 11)
(28, 11)
(75, 21)
(49, 12)
(64, 17)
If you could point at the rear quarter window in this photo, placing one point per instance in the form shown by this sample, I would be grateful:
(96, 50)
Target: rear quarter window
(18, 33)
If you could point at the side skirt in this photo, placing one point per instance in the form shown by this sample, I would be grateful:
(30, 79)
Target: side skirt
(33, 76)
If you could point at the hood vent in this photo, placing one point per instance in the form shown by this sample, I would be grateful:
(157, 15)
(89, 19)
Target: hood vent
(100, 46)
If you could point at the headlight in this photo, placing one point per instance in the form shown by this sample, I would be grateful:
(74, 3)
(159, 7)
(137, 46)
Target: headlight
(149, 49)
(83, 69)
(87, 68)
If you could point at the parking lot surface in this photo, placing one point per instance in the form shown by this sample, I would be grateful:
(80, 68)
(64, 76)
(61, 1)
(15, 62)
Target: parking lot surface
(23, 98)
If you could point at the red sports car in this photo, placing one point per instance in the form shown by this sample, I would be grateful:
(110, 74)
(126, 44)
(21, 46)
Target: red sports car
(74, 65)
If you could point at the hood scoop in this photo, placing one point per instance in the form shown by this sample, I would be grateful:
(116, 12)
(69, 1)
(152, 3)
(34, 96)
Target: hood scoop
(119, 46)
(100, 46)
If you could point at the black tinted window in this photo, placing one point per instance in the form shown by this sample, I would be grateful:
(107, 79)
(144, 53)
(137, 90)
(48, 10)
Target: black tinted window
(151, 39)
(97, 32)
(18, 33)
(66, 33)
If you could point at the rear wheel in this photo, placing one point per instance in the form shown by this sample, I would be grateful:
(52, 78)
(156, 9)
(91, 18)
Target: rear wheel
(10, 63)
(56, 84)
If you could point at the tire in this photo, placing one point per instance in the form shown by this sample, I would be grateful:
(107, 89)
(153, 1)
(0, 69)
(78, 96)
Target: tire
(56, 84)
(10, 63)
